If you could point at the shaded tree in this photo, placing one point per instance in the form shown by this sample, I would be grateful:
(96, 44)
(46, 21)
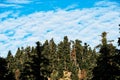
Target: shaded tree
(35, 68)
(5, 74)
(105, 69)
(10, 61)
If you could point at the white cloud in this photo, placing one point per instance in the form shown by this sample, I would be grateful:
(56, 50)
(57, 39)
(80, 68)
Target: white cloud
(5, 14)
(71, 7)
(19, 1)
(3, 37)
(86, 25)
(10, 5)
(106, 3)
(13, 3)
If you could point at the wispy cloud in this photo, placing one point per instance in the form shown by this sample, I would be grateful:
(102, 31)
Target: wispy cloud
(5, 14)
(85, 24)
(10, 5)
(13, 3)
(103, 3)
(71, 7)
(19, 1)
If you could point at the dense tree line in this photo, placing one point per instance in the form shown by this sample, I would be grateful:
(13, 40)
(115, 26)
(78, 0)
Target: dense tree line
(67, 60)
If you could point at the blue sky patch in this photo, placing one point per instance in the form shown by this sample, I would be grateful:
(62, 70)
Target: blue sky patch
(27, 35)
(9, 33)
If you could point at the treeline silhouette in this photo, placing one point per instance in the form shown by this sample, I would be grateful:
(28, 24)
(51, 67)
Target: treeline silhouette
(67, 60)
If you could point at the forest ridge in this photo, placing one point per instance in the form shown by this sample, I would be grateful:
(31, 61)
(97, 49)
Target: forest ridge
(68, 60)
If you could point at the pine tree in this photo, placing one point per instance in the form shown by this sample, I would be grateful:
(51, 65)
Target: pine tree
(18, 64)
(105, 68)
(35, 68)
(76, 57)
(116, 59)
(5, 74)
(10, 66)
(63, 53)
(46, 54)
(66, 53)
(26, 72)
(53, 64)
(86, 58)
(3, 69)
(10, 61)
(60, 60)
(17, 59)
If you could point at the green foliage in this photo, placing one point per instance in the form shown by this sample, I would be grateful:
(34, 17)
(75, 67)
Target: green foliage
(10, 61)
(50, 60)
(5, 74)
(106, 68)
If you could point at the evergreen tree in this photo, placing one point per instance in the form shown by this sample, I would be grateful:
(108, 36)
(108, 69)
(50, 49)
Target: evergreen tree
(26, 72)
(53, 64)
(116, 59)
(66, 53)
(86, 58)
(10, 61)
(105, 68)
(3, 69)
(5, 74)
(63, 54)
(35, 69)
(76, 58)
(19, 61)
(10, 66)
(60, 60)
(53, 61)
(46, 54)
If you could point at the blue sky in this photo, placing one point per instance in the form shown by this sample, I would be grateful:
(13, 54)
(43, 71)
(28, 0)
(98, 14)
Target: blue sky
(29, 6)
(23, 22)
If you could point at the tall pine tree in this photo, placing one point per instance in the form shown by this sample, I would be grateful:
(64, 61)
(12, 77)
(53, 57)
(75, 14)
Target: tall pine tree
(105, 68)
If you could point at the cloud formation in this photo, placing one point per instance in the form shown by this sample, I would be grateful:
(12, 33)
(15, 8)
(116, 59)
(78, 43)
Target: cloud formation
(19, 1)
(10, 5)
(13, 3)
(84, 24)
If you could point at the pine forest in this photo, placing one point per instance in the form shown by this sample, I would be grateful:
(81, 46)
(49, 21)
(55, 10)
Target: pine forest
(67, 60)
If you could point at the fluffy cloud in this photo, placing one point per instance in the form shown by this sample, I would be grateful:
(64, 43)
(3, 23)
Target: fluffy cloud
(84, 24)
